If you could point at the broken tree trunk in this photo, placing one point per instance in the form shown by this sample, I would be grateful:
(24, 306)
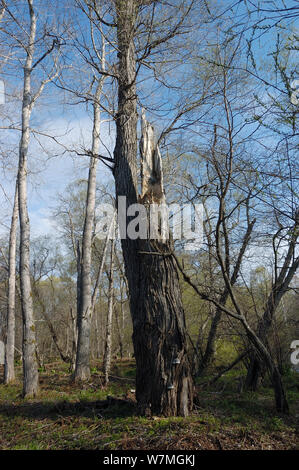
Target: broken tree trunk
(163, 379)
(152, 190)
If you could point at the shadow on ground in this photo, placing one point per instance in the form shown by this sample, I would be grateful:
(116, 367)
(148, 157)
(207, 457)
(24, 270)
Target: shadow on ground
(110, 408)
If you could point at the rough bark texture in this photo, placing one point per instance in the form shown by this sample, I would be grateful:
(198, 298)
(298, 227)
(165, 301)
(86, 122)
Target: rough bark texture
(160, 338)
(9, 370)
(159, 334)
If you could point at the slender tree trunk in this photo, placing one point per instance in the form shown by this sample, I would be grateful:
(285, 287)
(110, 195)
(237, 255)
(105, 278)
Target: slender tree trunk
(108, 341)
(9, 370)
(121, 324)
(82, 370)
(97, 287)
(210, 347)
(159, 331)
(30, 386)
(97, 334)
(74, 340)
(101, 268)
(256, 366)
(30, 369)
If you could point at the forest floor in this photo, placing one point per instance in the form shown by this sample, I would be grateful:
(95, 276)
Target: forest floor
(69, 416)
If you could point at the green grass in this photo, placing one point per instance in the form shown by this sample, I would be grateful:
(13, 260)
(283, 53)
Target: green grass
(70, 416)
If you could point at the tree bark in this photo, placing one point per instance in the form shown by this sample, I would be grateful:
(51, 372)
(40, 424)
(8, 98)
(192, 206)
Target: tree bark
(159, 331)
(9, 370)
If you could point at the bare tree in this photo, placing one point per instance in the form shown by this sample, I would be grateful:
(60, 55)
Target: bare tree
(29, 98)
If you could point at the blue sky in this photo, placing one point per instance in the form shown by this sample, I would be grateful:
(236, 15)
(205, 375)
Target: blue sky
(50, 174)
(73, 126)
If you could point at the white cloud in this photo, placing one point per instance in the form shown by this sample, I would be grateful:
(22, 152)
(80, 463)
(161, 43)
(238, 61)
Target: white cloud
(52, 168)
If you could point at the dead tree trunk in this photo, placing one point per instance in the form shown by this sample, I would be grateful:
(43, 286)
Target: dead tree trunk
(9, 370)
(163, 379)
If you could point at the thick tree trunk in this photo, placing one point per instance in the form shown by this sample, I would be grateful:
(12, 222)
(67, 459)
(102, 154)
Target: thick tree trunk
(108, 340)
(159, 332)
(9, 370)
(163, 382)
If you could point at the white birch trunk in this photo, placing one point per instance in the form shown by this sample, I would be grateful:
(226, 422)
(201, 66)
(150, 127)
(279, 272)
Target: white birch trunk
(9, 370)
(30, 369)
